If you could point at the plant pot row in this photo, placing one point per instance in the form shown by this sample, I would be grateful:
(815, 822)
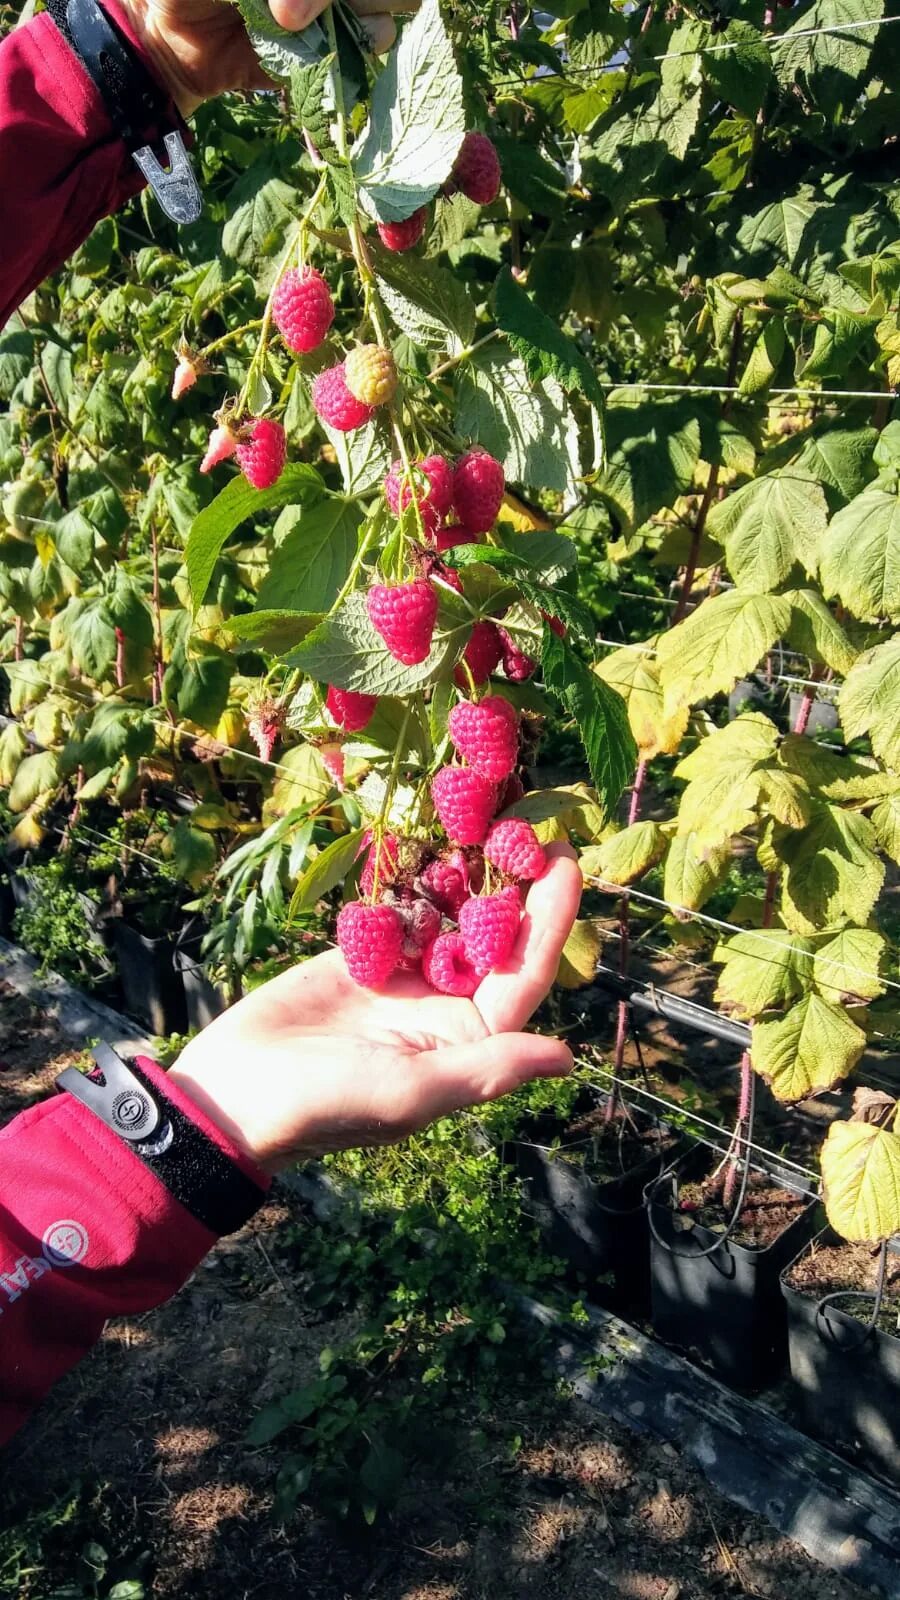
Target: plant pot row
(633, 1209)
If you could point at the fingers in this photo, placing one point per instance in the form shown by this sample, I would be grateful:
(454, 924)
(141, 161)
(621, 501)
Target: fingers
(374, 15)
(471, 1074)
(296, 14)
(507, 997)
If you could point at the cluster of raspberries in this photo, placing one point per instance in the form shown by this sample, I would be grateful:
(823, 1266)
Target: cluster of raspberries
(433, 911)
(476, 174)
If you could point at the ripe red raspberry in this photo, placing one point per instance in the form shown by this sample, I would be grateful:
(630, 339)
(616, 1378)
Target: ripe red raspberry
(476, 170)
(332, 759)
(489, 924)
(478, 487)
(514, 847)
(556, 624)
(482, 654)
(403, 235)
(302, 309)
(404, 614)
(370, 374)
(261, 458)
(486, 735)
(350, 711)
(433, 499)
(464, 801)
(446, 538)
(446, 885)
(447, 967)
(371, 940)
(421, 925)
(221, 446)
(334, 402)
(516, 664)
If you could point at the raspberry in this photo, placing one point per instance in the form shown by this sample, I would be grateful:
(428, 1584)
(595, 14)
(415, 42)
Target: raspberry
(433, 501)
(514, 847)
(446, 885)
(220, 447)
(185, 377)
(447, 538)
(350, 711)
(404, 614)
(482, 654)
(261, 459)
(334, 402)
(332, 759)
(371, 940)
(516, 664)
(370, 374)
(403, 235)
(486, 735)
(464, 801)
(476, 170)
(556, 624)
(447, 967)
(302, 309)
(489, 924)
(512, 792)
(478, 488)
(264, 725)
(421, 924)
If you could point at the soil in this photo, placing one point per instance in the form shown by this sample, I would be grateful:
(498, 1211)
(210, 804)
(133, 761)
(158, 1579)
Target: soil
(607, 1146)
(767, 1210)
(829, 1268)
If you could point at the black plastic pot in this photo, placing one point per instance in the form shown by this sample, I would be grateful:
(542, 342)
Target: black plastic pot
(846, 1381)
(721, 1301)
(154, 992)
(597, 1226)
(204, 1000)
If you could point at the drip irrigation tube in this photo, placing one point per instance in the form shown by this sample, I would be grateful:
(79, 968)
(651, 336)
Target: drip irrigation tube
(672, 1007)
(876, 1296)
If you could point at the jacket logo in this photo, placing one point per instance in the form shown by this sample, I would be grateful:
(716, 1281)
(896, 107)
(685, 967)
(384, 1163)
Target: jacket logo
(63, 1244)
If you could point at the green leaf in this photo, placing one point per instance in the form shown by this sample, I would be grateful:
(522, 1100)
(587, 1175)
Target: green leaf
(197, 687)
(764, 359)
(329, 868)
(530, 177)
(416, 124)
(653, 449)
(860, 555)
(627, 855)
(742, 76)
(825, 60)
(846, 966)
(281, 51)
(693, 872)
(600, 714)
(768, 525)
(346, 651)
(724, 639)
(545, 349)
(816, 632)
(810, 1049)
(761, 969)
(92, 639)
(869, 702)
(308, 567)
(261, 209)
(775, 233)
(837, 456)
(298, 484)
(427, 302)
(861, 1181)
(191, 852)
(277, 631)
(833, 871)
(526, 425)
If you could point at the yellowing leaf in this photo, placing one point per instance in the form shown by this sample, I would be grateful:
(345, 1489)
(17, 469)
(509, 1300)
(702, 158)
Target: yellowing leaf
(693, 871)
(812, 1047)
(580, 955)
(847, 966)
(768, 525)
(724, 639)
(14, 748)
(833, 776)
(861, 1181)
(726, 772)
(869, 702)
(761, 969)
(304, 783)
(785, 797)
(751, 737)
(885, 820)
(28, 833)
(36, 776)
(626, 855)
(633, 672)
(833, 872)
(816, 632)
(860, 562)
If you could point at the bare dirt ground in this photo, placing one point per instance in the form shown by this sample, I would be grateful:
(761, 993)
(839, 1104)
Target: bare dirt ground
(546, 1501)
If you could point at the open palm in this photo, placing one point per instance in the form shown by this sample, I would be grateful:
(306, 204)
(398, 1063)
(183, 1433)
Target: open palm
(311, 1062)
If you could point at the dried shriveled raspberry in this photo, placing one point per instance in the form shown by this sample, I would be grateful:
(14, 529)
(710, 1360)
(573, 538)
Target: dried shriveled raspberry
(478, 488)
(386, 858)
(489, 925)
(512, 792)
(370, 374)
(371, 941)
(464, 802)
(334, 402)
(221, 446)
(261, 458)
(447, 968)
(302, 309)
(421, 925)
(404, 614)
(513, 846)
(486, 735)
(516, 664)
(482, 654)
(476, 170)
(404, 235)
(351, 711)
(445, 884)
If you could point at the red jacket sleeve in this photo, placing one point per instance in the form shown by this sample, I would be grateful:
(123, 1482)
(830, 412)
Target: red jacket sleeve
(62, 166)
(87, 1232)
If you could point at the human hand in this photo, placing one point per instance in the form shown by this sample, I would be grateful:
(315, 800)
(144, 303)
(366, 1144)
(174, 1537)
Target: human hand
(310, 1062)
(200, 47)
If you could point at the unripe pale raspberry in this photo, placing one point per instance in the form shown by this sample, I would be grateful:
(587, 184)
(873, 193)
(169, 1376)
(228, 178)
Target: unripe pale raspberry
(371, 941)
(264, 725)
(370, 374)
(185, 377)
(332, 759)
(446, 885)
(464, 802)
(482, 654)
(516, 664)
(387, 859)
(302, 309)
(404, 614)
(513, 846)
(476, 170)
(447, 538)
(351, 711)
(448, 969)
(261, 458)
(221, 446)
(478, 488)
(486, 735)
(489, 925)
(334, 402)
(404, 235)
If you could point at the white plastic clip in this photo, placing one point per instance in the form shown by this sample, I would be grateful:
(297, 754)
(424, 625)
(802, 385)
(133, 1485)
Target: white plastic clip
(176, 190)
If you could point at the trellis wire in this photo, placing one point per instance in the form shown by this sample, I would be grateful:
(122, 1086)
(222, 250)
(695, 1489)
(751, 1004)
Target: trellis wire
(735, 389)
(651, 650)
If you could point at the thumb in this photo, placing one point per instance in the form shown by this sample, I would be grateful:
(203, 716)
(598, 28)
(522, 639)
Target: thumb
(470, 1074)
